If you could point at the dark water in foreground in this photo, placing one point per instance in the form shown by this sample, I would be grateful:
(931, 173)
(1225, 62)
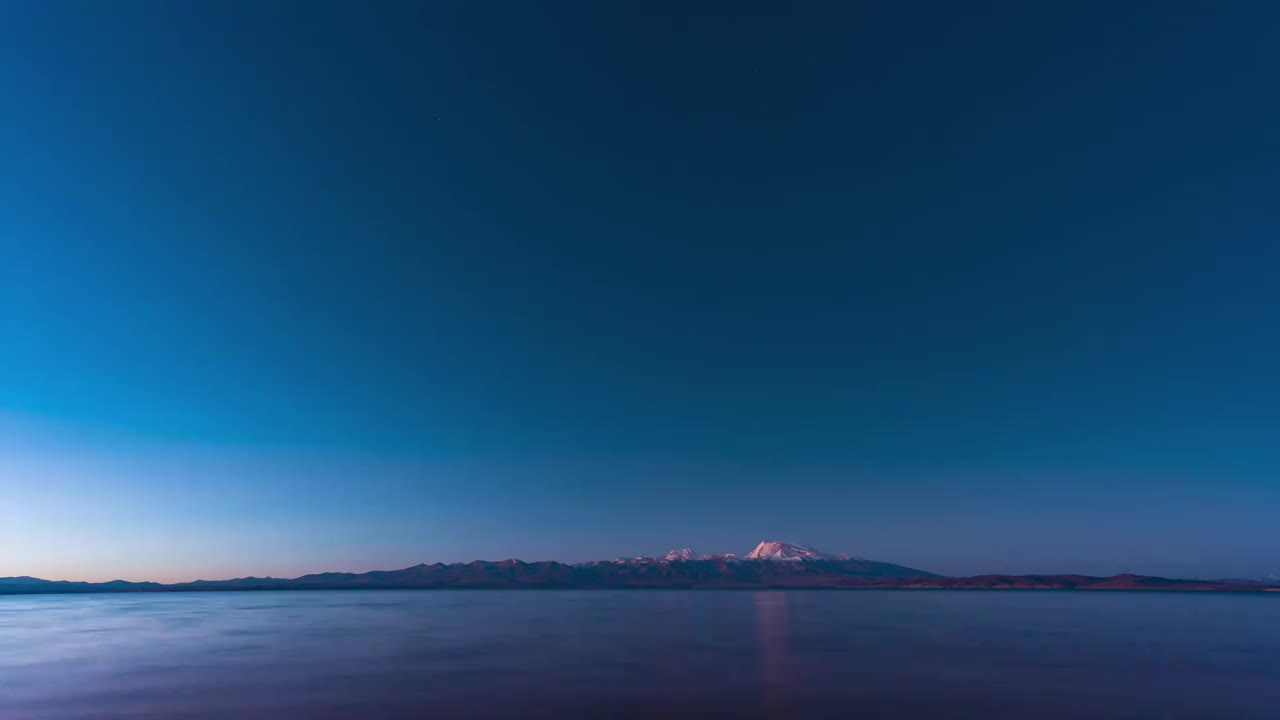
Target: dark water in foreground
(441, 654)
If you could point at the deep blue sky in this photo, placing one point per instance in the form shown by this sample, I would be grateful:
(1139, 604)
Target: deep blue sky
(968, 286)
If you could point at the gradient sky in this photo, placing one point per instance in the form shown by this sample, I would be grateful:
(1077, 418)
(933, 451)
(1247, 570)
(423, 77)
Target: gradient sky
(974, 287)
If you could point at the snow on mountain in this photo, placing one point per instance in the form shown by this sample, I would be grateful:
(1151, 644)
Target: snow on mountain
(767, 550)
(778, 550)
(683, 554)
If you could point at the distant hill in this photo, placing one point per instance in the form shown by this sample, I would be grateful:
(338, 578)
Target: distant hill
(26, 584)
(772, 564)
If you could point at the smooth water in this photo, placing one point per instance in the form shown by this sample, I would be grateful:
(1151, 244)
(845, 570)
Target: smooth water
(442, 654)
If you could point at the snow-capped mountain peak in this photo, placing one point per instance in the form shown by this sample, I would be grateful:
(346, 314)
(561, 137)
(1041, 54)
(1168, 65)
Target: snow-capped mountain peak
(682, 554)
(767, 550)
(778, 550)
(637, 560)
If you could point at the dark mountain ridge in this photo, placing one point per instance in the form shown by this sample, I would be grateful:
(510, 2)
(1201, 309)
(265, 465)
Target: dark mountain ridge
(692, 574)
(786, 566)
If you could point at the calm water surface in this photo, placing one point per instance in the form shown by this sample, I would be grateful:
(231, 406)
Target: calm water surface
(443, 654)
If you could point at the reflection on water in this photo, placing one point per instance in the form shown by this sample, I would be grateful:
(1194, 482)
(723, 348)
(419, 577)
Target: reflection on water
(777, 654)
(771, 641)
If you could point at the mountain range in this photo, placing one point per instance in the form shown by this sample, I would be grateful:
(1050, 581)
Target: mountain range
(772, 564)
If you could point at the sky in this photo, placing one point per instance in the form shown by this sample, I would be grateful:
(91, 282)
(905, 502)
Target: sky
(972, 287)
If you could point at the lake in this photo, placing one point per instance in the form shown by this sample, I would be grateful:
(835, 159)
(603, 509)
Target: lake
(636, 653)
